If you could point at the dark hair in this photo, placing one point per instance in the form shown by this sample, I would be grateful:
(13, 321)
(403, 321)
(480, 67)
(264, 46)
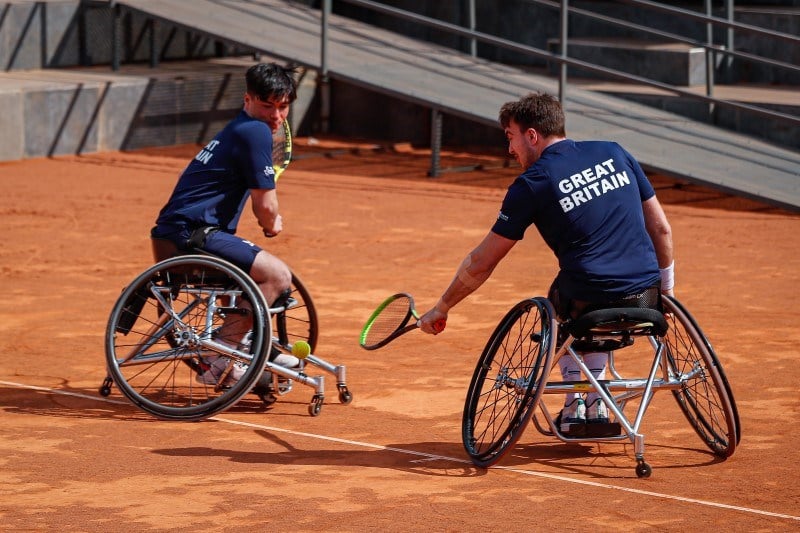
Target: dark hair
(270, 80)
(539, 111)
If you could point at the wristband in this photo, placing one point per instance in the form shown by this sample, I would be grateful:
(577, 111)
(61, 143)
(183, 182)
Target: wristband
(667, 277)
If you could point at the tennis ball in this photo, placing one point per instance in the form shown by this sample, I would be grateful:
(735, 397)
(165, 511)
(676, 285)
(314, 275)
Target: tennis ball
(301, 349)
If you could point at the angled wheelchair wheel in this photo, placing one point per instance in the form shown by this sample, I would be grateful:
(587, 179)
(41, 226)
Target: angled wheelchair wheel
(295, 319)
(706, 397)
(508, 381)
(173, 340)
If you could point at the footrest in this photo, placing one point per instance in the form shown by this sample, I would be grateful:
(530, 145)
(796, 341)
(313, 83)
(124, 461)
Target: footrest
(610, 429)
(591, 431)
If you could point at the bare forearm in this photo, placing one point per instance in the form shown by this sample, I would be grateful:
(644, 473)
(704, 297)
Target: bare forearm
(471, 273)
(466, 281)
(660, 232)
(265, 209)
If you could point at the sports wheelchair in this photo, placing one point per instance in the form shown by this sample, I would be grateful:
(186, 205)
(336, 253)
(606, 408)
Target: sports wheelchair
(171, 320)
(513, 377)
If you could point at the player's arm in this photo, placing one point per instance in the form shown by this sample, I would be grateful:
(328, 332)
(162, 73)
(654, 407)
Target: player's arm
(265, 208)
(660, 232)
(474, 270)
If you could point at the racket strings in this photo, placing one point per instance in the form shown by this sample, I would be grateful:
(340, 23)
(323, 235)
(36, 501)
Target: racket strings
(282, 147)
(390, 319)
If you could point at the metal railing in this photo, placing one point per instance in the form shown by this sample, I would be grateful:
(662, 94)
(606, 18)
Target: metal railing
(564, 61)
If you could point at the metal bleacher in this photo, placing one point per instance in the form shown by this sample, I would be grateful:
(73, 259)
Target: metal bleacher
(471, 88)
(441, 79)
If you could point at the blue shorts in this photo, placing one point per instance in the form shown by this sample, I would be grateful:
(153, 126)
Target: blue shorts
(236, 250)
(227, 246)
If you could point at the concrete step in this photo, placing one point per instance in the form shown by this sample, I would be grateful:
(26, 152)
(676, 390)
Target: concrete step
(673, 63)
(83, 110)
(781, 98)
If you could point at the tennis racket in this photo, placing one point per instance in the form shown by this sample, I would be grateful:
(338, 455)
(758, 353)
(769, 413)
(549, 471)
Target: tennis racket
(391, 320)
(281, 149)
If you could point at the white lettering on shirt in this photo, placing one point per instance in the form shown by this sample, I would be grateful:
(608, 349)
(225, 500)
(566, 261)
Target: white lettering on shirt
(590, 183)
(204, 156)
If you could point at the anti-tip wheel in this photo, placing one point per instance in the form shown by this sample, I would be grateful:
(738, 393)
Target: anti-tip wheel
(315, 406)
(105, 388)
(345, 397)
(643, 470)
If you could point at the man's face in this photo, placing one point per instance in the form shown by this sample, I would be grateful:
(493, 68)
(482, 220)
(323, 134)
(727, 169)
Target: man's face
(521, 143)
(273, 111)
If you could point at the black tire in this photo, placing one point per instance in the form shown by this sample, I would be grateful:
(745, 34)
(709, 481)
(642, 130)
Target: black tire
(154, 359)
(298, 321)
(508, 381)
(706, 399)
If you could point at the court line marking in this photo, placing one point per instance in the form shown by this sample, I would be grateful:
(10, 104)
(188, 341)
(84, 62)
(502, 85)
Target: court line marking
(424, 456)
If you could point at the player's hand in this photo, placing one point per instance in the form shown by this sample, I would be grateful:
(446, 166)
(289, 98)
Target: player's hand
(277, 227)
(433, 322)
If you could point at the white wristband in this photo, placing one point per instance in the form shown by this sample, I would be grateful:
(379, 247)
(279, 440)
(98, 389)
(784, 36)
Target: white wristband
(667, 277)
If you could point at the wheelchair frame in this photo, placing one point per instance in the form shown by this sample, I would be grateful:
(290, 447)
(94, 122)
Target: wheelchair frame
(172, 317)
(514, 373)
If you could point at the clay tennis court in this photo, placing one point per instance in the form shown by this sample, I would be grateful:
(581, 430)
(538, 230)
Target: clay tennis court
(360, 224)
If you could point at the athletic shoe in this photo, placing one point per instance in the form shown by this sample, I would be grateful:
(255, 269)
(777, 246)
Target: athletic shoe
(573, 414)
(286, 361)
(275, 355)
(216, 366)
(597, 413)
(283, 359)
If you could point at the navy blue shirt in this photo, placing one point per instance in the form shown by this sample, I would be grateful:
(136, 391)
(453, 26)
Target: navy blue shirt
(585, 198)
(214, 187)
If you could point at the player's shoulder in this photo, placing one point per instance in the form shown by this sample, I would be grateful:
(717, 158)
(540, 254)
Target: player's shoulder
(246, 126)
(598, 144)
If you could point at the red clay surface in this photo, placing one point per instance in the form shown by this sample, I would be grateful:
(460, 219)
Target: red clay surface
(360, 225)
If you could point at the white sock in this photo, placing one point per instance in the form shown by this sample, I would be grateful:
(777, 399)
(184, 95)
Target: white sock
(570, 372)
(596, 361)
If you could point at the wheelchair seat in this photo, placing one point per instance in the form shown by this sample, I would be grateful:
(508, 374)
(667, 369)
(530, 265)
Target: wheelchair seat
(614, 328)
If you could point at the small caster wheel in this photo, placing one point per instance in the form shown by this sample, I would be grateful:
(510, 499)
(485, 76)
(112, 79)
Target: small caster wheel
(105, 388)
(344, 395)
(316, 405)
(643, 470)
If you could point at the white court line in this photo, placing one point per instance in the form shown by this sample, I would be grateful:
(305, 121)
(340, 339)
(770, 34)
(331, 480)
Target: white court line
(431, 457)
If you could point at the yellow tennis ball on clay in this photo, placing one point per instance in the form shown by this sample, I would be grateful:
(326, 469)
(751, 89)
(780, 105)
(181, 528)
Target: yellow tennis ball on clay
(301, 349)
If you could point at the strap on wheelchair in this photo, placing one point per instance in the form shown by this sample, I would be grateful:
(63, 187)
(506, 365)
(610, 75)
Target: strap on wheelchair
(199, 236)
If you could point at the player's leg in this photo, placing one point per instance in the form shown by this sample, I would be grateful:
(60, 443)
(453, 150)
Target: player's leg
(574, 410)
(271, 275)
(596, 410)
(295, 317)
(573, 414)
